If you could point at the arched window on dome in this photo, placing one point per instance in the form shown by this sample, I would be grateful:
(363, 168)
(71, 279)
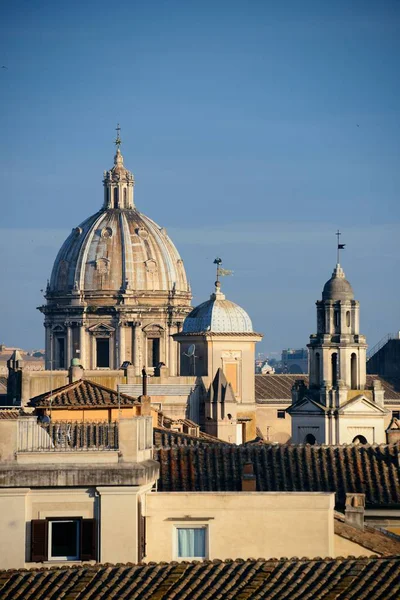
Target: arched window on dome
(348, 318)
(125, 198)
(115, 197)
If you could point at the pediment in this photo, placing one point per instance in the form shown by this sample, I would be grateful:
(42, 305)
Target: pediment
(361, 404)
(101, 328)
(306, 406)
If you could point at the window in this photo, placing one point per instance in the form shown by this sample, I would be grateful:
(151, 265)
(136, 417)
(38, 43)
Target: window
(348, 320)
(63, 538)
(191, 542)
(395, 414)
(102, 353)
(281, 414)
(153, 352)
(61, 353)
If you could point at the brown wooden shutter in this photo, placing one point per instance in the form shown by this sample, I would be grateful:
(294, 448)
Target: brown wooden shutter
(88, 539)
(39, 549)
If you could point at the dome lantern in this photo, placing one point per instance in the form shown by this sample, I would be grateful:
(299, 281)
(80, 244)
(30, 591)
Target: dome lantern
(118, 182)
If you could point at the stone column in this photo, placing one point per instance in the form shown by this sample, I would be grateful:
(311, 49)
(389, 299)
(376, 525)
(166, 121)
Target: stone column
(121, 343)
(137, 358)
(47, 346)
(93, 361)
(69, 342)
(82, 348)
(172, 354)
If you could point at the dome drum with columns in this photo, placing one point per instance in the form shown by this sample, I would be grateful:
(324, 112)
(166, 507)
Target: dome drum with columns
(118, 288)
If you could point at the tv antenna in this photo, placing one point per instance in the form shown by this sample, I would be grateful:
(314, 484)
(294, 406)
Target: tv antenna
(191, 353)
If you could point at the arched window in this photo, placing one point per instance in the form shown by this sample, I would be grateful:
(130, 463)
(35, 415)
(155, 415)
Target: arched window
(336, 319)
(360, 439)
(317, 369)
(353, 370)
(115, 197)
(334, 361)
(310, 439)
(348, 318)
(125, 201)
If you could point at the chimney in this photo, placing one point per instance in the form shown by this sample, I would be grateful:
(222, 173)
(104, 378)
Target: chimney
(249, 482)
(393, 431)
(75, 371)
(354, 510)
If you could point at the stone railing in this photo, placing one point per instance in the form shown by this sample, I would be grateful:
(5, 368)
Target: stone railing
(66, 436)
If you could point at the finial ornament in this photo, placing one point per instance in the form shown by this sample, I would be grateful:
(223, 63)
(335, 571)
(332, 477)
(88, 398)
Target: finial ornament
(118, 141)
(220, 272)
(339, 246)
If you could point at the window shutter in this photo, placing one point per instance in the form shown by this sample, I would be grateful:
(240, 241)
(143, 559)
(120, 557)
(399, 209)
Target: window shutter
(39, 529)
(88, 539)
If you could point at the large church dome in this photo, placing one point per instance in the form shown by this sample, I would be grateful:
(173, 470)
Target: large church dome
(118, 248)
(118, 290)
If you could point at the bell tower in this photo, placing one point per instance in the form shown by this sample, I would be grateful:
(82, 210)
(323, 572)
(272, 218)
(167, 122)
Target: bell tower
(338, 350)
(337, 407)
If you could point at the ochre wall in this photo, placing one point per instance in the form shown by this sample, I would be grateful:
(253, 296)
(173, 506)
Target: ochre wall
(242, 524)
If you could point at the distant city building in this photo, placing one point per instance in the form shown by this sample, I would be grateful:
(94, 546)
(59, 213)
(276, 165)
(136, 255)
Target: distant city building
(295, 361)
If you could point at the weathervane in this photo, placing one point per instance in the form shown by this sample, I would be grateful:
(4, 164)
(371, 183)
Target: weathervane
(118, 139)
(220, 271)
(339, 246)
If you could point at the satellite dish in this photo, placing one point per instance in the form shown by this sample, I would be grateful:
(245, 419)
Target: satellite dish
(191, 350)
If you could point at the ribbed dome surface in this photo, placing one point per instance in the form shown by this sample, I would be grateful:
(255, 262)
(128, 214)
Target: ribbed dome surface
(118, 250)
(338, 288)
(218, 315)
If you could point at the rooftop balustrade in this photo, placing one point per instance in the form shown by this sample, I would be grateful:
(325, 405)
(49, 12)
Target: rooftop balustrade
(66, 436)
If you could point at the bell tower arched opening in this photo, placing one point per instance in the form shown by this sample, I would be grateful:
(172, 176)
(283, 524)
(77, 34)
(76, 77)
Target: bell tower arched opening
(353, 370)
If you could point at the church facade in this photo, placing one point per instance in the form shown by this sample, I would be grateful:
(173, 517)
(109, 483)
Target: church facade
(118, 289)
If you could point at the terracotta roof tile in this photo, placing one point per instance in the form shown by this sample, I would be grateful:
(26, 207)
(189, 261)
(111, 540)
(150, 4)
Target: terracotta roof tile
(167, 438)
(366, 469)
(9, 413)
(279, 387)
(296, 579)
(82, 393)
(373, 539)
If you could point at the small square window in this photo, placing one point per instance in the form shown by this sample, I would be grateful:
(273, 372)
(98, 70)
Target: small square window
(191, 542)
(281, 414)
(64, 539)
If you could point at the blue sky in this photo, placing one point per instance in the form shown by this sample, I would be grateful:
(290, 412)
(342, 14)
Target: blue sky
(254, 129)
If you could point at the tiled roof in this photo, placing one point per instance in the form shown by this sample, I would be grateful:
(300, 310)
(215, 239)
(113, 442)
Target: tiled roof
(82, 393)
(167, 438)
(276, 387)
(6, 414)
(296, 579)
(364, 469)
(279, 387)
(371, 538)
